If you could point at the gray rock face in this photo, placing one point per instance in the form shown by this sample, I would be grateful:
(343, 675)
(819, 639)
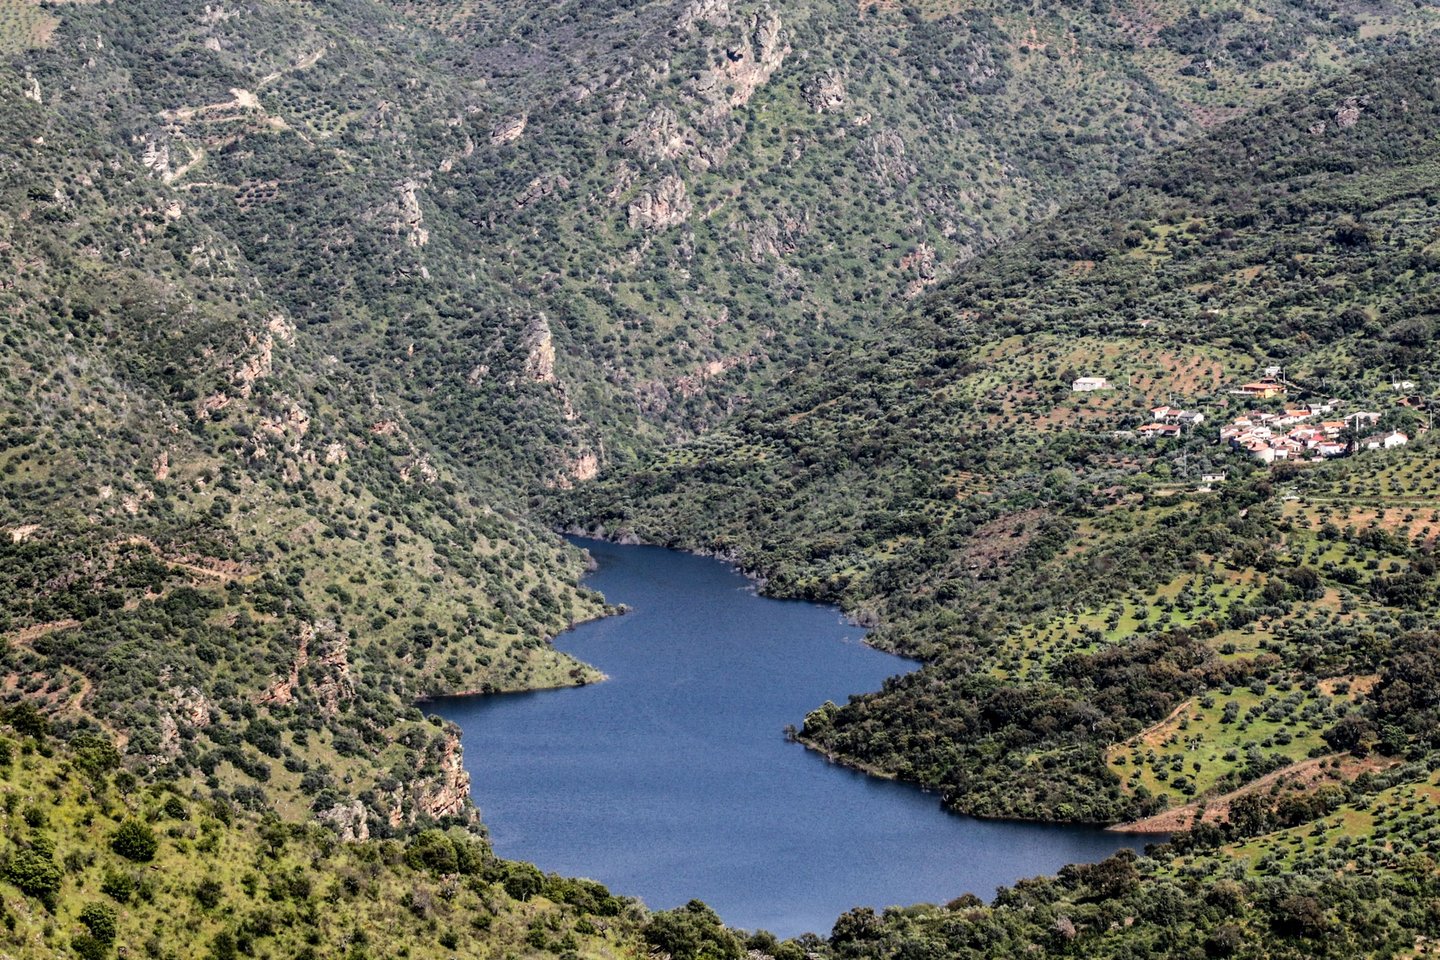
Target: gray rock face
(743, 66)
(666, 205)
(508, 130)
(350, 820)
(826, 93)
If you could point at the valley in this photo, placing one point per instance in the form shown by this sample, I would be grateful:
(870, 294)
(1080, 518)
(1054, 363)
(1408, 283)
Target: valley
(1083, 354)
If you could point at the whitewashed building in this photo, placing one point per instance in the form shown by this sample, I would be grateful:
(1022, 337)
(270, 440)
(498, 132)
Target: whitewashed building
(1087, 384)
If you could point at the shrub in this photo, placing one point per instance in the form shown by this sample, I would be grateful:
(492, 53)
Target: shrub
(691, 932)
(94, 755)
(523, 881)
(88, 947)
(135, 841)
(100, 921)
(432, 851)
(118, 885)
(36, 874)
(209, 893)
(27, 719)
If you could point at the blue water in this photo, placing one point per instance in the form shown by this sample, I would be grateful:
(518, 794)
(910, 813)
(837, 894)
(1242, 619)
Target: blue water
(673, 779)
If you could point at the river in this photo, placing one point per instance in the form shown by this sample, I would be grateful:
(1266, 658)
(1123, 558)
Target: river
(673, 779)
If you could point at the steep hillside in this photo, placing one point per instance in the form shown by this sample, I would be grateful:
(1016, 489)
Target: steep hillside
(300, 300)
(215, 546)
(96, 865)
(1070, 581)
(557, 232)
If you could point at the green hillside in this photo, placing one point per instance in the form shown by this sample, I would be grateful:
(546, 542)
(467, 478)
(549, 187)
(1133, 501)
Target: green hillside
(1069, 582)
(317, 315)
(299, 309)
(554, 234)
(97, 865)
(215, 545)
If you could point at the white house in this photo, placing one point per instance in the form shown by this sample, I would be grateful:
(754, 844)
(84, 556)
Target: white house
(1086, 384)
(1385, 441)
(1261, 451)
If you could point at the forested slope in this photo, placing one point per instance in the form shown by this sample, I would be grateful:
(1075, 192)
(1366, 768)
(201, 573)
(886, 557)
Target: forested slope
(556, 233)
(301, 301)
(1069, 582)
(106, 865)
(215, 546)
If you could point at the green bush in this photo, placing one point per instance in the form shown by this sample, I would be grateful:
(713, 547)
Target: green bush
(100, 921)
(134, 840)
(118, 885)
(35, 873)
(89, 947)
(692, 932)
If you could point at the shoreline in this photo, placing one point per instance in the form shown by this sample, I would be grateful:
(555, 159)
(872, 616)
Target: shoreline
(608, 611)
(730, 557)
(869, 770)
(733, 558)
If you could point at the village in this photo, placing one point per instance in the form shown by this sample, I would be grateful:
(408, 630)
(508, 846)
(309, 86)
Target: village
(1300, 431)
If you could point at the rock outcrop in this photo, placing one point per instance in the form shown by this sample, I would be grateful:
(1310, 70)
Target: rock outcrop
(350, 819)
(662, 136)
(539, 188)
(922, 267)
(883, 155)
(508, 130)
(410, 220)
(156, 158)
(419, 469)
(744, 66)
(189, 710)
(666, 205)
(581, 465)
(775, 237)
(584, 466)
(447, 794)
(1347, 114)
(701, 11)
(539, 346)
(321, 669)
(826, 93)
(441, 788)
(252, 365)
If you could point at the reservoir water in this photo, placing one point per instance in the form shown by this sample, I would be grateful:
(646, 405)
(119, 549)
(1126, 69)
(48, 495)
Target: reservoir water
(673, 779)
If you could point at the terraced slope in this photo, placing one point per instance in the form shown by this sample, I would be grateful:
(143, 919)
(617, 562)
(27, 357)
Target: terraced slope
(1071, 582)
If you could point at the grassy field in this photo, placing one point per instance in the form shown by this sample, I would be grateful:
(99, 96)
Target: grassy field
(1389, 831)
